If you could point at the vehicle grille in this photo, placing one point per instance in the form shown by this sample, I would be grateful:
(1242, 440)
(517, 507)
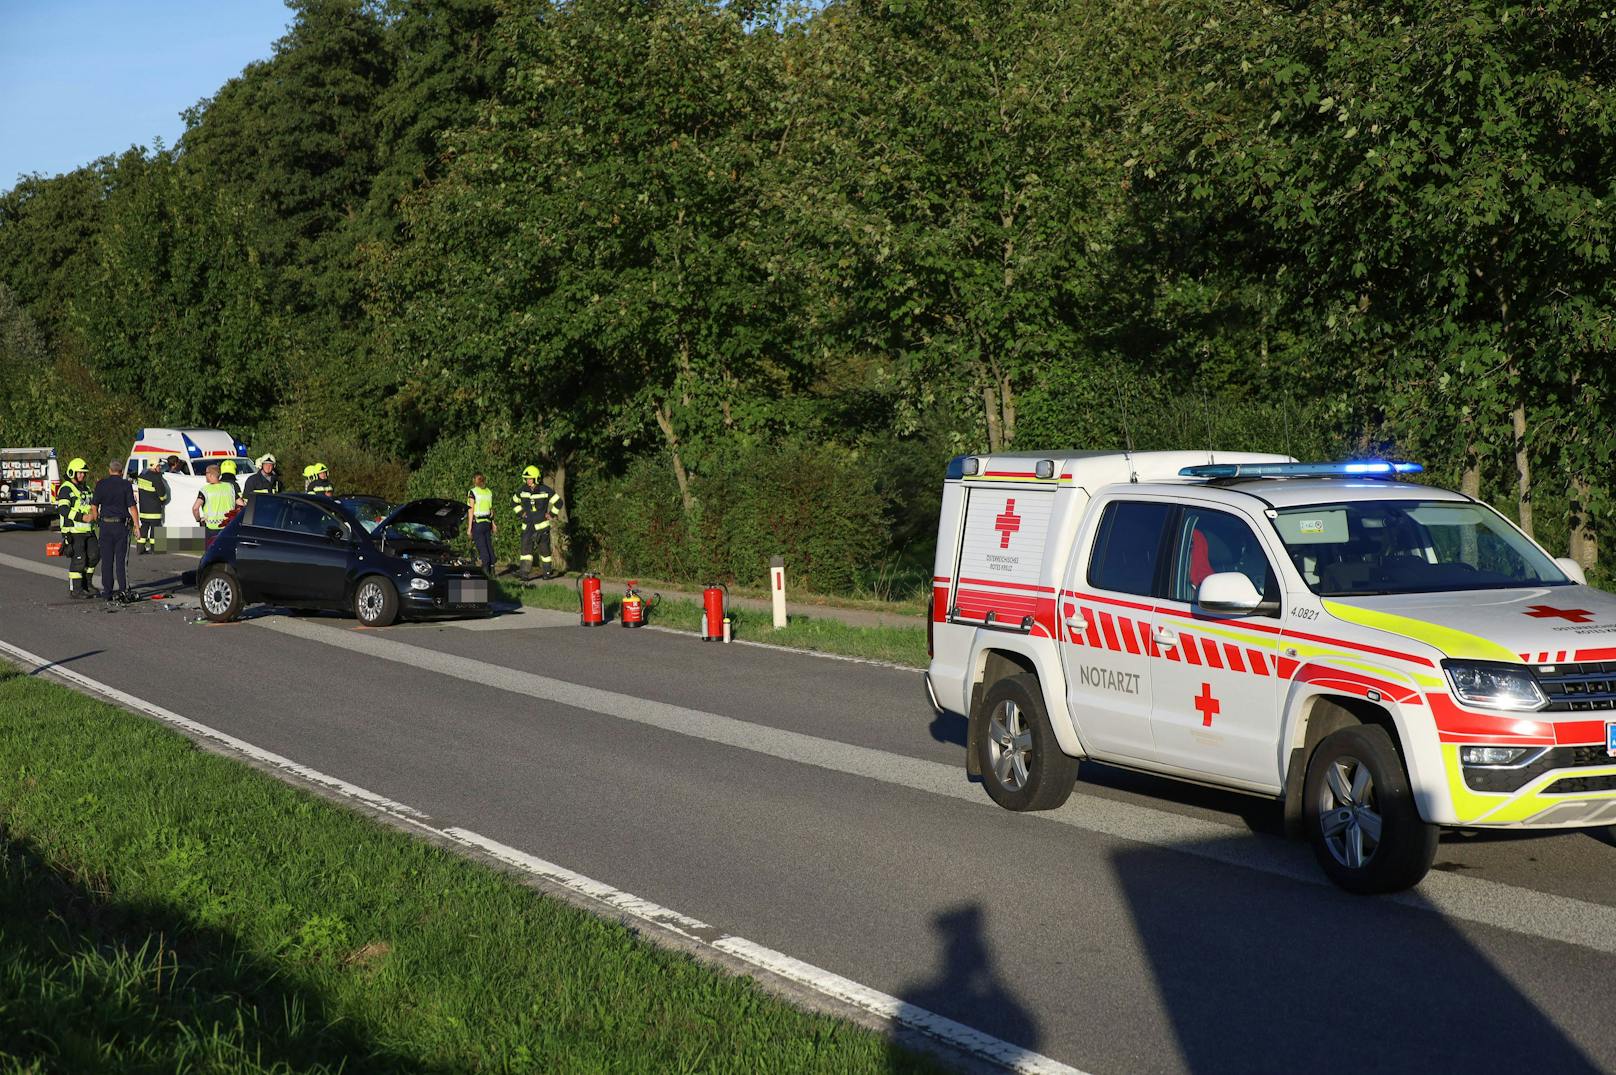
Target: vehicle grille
(1576, 688)
(1577, 785)
(1506, 780)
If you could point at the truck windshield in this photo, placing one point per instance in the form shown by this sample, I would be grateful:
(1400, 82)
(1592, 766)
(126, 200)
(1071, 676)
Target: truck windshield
(1368, 547)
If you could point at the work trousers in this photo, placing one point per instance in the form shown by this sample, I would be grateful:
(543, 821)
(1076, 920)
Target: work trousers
(148, 533)
(84, 553)
(115, 555)
(535, 538)
(482, 536)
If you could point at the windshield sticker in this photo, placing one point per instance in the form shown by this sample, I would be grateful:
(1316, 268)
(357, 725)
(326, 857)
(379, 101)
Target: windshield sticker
(1313, 528)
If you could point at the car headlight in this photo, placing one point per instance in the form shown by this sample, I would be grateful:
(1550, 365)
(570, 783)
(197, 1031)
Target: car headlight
(1495, 686)
(421, 567)
(1499, 757)
(420, 584)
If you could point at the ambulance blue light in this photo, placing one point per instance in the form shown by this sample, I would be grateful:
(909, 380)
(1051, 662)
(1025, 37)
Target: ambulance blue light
(1357, 468)
(190, 446)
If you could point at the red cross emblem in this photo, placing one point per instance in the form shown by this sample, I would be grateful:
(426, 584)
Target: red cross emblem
(1208, 705)
(1007, 522)
(1549, 612)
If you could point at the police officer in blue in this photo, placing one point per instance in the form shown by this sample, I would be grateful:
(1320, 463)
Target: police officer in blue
(118, 513)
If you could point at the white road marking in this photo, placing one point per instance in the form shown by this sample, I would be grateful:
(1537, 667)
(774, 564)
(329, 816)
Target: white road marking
(1490, 903)
(898, 1012)
(58, 572)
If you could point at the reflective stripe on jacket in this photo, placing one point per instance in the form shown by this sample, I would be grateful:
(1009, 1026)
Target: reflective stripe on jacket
(482, 503)
(218, 500)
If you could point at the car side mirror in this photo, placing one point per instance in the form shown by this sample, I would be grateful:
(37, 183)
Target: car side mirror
(1572, 569)
(335, 534)
(1229, 592)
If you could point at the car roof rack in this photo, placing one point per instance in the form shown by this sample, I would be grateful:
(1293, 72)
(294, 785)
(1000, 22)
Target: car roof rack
(1352, 468)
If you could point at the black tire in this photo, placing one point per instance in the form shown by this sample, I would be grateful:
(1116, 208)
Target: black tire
(1357, 790)
(375, 602)
(220, 592)
(1022, 764)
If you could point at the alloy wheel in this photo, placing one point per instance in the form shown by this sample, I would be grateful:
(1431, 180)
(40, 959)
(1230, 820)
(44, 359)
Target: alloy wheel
(1010, 745)
(1348, 816)
(217, 595)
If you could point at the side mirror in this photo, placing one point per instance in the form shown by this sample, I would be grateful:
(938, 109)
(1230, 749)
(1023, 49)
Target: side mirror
(335, 534)
(1572, 569)
(1228, 591)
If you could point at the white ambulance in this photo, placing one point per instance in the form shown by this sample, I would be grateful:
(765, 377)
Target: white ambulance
(196, 449)
(1383, 658)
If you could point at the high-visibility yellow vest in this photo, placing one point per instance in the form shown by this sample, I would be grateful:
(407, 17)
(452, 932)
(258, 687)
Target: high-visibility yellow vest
(218, 498)
(72, 498)
(482, 503)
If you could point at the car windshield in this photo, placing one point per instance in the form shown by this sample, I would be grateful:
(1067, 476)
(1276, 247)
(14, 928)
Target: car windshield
(369, 510)
(1410, 546)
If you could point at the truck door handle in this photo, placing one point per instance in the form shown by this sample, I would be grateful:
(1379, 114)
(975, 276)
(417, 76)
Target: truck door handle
(1076, 624)
(245, 543)
(1165, 637)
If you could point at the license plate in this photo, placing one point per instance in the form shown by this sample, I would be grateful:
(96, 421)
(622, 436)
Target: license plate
(1610, 740)
(468, 592)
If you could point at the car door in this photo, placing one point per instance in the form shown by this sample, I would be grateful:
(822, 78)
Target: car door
(1215, 691)
(312, 551)
(1106, 607)
(258, 549)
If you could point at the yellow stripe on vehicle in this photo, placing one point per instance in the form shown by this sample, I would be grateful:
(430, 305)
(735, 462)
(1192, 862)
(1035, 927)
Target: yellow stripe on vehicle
(1512, 808)
(1453, 643)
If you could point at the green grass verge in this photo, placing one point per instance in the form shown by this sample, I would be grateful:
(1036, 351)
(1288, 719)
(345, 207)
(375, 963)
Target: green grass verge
(166, 909)
(899, 645)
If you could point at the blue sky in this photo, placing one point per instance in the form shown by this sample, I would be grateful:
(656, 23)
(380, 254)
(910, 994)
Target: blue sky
(83, 78)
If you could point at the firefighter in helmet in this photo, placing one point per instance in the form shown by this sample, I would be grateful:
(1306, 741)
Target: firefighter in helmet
(151, 488)
(73, 507)
(320, 480)
(536, 506)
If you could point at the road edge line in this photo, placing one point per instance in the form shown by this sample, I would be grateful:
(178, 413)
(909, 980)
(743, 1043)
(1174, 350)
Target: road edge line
(890, 1013)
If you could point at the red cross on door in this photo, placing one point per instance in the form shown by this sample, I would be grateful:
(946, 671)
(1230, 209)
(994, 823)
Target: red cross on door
(1549, 612)
(1007, 522)
(1208, 705)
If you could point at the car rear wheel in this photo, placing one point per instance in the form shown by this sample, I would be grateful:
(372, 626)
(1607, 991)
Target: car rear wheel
(1022, 765)
(375, 602)
(1361, 818)
(221, 595)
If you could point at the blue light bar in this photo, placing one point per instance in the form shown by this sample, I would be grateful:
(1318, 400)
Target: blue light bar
(1357, 468)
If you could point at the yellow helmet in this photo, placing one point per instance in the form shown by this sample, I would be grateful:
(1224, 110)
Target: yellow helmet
(320, 468)
(311, 470)
(531, 472)
(76, 464)
(227, 467)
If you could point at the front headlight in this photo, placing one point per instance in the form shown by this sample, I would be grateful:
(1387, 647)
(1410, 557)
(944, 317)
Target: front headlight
(1495, 686)
(421, 567)
(420, 584)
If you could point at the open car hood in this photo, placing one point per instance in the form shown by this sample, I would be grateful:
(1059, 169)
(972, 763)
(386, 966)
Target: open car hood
(444, 515)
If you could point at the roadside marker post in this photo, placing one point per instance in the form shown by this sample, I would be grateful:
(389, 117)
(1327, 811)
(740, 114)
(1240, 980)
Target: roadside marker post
(777, 587)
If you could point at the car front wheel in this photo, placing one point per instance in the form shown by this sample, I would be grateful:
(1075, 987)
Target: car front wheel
(221, 595)
(1361, 818)
(1023, 766)
(375, 602)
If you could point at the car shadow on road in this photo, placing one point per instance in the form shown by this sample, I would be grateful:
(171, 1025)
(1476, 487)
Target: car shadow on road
(138, 985)
(65, 660)
(967, 987)
(950, 727)
(1261, 973)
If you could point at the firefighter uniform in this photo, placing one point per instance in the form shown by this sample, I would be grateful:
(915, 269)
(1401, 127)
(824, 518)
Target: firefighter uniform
(319, 482)
(481, 502)
(73, 507)
(227, 474)
(536, 505)
(152, 490)
(260, 481)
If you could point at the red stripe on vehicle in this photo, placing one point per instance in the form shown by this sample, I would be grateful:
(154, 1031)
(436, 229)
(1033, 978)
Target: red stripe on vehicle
(1231, 653)
(1146, 641)
(1258, 665)
(1201, 617)
(1284, 667)
(1455, 725)
(1106, 624)
(1577, 733)
(1093, 632)
(1006, 585)
(1125, 628)
(1081, 596)
(1360, 647)
(1560, 656)
(1606, 654)
(939, 603)
(1190, 648)
(1210, 648)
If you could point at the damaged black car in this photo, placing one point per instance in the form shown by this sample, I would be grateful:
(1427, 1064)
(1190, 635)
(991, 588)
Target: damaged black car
(380, 561)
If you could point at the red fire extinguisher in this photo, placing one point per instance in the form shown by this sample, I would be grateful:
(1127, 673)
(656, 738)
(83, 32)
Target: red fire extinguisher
(632, 614)
(591, 606)
(715, 625)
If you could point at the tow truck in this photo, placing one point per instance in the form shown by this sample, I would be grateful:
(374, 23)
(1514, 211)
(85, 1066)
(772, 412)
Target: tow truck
(1383, 659)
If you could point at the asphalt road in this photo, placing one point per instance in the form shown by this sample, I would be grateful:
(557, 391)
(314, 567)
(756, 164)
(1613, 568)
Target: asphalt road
(818, 807)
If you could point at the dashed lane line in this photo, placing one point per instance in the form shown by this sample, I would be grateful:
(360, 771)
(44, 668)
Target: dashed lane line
(952, 1035)
(1490, 903)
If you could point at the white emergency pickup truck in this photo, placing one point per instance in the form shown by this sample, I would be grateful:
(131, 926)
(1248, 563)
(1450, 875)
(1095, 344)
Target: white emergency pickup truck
(1383, 658)
(28, 481)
